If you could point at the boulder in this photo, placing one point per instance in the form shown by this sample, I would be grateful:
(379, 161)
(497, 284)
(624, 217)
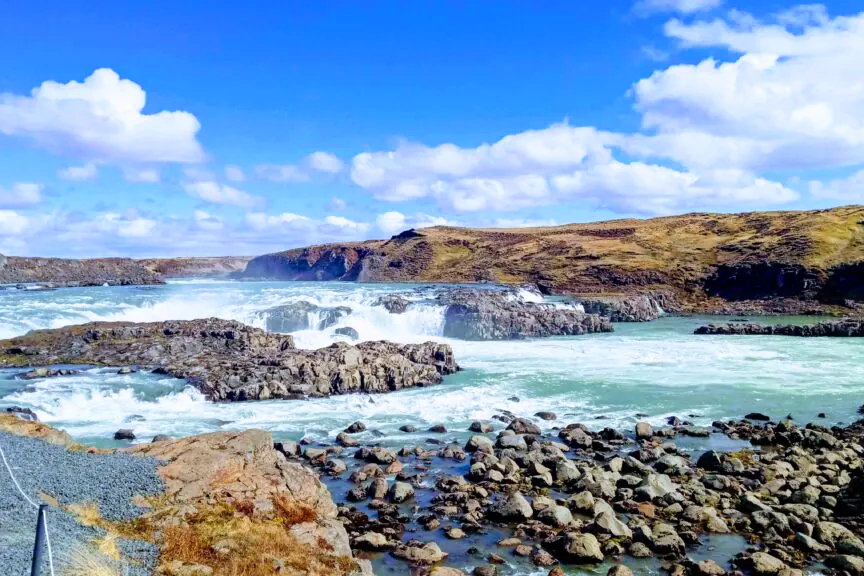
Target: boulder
(348, 332)
(424, 555)
(479, 444)
(557, 516)
(514, 508)
(400, 492)
(644, 431)
(763, 564)
(846, 563)
(654, 486)
(124, 434)
(579, 549)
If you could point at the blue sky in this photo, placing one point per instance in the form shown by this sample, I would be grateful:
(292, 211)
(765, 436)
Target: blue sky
(209, 128)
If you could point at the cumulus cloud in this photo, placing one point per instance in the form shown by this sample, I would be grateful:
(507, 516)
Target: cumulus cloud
(21, 194)
(216, 193)
(395, 222)
(324, 162)
(100, 120)
(315, 163)
(645, 7)
(13, 223)
(849, 189)
(788, 100)
(79, 173)
(234, 173)
(786, 103)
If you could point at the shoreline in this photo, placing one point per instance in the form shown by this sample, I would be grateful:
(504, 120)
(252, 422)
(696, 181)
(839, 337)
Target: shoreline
(444, 497)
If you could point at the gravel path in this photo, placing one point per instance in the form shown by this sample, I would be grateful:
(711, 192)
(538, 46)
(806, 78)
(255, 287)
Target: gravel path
(107, 480)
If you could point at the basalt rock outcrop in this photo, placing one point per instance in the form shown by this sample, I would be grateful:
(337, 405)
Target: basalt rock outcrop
(635, 308)
(228, 360)
(835, 329)
(302, 315)
(472, 314)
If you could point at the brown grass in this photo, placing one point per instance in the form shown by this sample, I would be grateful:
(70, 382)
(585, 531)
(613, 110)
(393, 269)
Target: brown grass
(256, 547)
(89, 561)
(291, 512)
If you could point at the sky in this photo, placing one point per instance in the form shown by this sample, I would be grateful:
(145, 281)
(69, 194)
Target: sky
(211, 128)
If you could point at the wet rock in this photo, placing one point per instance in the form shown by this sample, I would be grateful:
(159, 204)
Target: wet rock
(347, 441)
(557, 516)
(438, 429)
(546, 415)
(763, 564)
(348, 332)
(515, 508)
(619, 570)
(522, 426)
(408, 429)
(644, 430)
(709, 568)
(393, 303)
(846, 563)
(480, 444)
(124, 434)
(287, 447)
(607, 523)
(639, 550)
(472, 314)
(582, 502)
(424, 555)
(23, 413)
(455, 534)
(757, 416)
(485, 571)
(666, 540)
(161, 438)
(710, 461)
(655, 486)
(400, 492)
(512, 442)
(480, 427)
(839, 537)
(373, 541)
(579, 548)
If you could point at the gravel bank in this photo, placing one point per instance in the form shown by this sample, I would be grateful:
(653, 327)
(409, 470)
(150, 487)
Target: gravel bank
(107, 480)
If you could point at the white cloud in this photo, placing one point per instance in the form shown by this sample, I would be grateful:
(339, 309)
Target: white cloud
(20, 195)
(142, 175)
(324, 162)
(850, 189)
(391, 222)
(234, 173)
(792, 100)
(12, 223)
(341, 224)
(682, 6)
(317, 162)
(395, 222)
(261, 221)
(79, 173)
(100, 120)
(216, 193)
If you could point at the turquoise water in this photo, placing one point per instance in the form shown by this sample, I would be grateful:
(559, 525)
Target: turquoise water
(658, 369)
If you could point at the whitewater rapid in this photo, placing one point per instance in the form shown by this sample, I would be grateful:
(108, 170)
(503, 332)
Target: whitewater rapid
(658, 369)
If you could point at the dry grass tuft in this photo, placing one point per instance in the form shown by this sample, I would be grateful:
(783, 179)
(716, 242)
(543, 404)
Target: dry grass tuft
(88, 561)
(291, 512)
(87, 513)
(233, 544)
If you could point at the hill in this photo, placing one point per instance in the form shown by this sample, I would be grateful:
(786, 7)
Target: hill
(807, 255)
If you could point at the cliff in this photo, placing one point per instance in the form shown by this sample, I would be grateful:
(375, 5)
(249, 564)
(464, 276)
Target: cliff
(808, 255)
(196, 267)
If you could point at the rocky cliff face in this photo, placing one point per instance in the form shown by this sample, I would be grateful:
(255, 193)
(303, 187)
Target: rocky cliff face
(64, 273)
(813, 256)
(196, 267)
(230, 361)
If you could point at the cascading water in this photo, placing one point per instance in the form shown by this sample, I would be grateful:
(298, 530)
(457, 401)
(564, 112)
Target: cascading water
(657, 368)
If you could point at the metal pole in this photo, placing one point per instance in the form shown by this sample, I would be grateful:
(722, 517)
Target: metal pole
(36, 568)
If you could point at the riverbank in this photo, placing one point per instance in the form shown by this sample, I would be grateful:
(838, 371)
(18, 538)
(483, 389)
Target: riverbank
(763, 497)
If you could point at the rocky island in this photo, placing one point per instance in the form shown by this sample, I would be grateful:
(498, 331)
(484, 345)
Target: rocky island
(228, 360)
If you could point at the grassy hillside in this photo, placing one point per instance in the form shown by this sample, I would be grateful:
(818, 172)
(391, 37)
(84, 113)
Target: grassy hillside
(735, 256)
